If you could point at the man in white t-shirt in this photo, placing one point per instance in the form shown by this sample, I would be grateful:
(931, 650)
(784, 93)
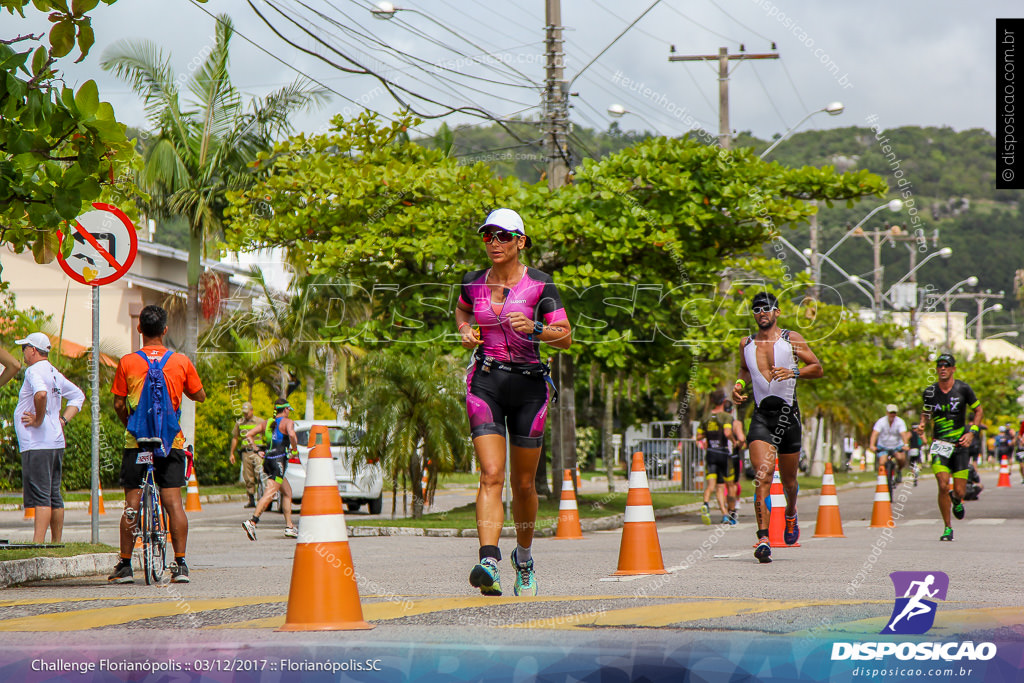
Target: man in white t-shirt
(40, 427)
(890, 440)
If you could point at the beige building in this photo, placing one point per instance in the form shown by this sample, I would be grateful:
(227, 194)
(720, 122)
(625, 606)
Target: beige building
(158, 276)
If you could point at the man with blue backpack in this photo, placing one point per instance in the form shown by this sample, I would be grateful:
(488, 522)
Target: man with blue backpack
(148, 386)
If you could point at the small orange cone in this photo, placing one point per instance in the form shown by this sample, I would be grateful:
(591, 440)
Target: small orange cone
(568, 514)
(579, 482)
(99, 491)
(677, 471)
(777, 517)
(425, 483)
(324, 595)
(192, 503)
(30, 513)
(1004, 474)
(881, 513)
(829, 524)
(640, 550)
(698, 481)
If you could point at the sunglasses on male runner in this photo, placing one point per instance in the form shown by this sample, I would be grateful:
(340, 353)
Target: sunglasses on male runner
(502, 236)
(762, 309)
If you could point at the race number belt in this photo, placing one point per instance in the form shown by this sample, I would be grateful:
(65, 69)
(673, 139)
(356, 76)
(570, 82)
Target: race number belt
(144, 458)
(942, 449)
(543, 370)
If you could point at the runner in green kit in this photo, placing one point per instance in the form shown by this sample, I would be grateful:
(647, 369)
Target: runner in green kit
(947, 403)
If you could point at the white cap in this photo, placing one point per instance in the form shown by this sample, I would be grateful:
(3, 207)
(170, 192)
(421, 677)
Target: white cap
(506, 219)
(36, 340)
(891, 408)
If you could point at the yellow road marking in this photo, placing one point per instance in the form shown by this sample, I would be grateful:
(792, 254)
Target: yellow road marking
(947, 622)
(384, 611)
(53, 601)
(79, 620)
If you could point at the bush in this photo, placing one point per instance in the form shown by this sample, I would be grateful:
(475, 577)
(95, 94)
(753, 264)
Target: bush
(77, 472)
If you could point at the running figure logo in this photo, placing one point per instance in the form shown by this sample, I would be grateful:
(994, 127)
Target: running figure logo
(914, 611)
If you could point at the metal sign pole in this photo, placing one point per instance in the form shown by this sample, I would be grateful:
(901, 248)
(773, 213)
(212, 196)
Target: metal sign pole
(94, 380)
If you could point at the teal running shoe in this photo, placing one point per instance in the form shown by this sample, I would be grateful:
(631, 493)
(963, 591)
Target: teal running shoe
(526, 580)
(485, 577)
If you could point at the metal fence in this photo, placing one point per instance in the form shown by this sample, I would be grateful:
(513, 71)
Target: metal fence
(660, 458)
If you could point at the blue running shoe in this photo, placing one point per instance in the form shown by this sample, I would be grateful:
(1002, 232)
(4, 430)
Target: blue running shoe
(728, 519)
(763, 551)
(792, 533)
(485, 577)
(526, 580)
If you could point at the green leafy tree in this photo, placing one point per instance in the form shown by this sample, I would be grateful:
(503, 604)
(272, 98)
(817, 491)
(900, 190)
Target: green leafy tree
(413, 412)
(203, 147)
(60, 149)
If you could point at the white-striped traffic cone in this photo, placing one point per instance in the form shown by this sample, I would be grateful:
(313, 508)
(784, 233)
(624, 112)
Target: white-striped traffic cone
(568, 512)
(323, 595)
(640, 549)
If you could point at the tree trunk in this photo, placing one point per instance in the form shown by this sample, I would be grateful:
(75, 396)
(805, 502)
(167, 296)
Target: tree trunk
(608, 426)
(310, 389)
(394, 493)
(195, 253)
(416, 479)
(563, 428)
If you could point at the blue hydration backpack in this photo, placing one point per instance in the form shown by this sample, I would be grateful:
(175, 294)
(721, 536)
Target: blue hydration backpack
(155, 417)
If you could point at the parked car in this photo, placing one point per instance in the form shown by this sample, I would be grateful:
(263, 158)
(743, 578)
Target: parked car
(359, 487)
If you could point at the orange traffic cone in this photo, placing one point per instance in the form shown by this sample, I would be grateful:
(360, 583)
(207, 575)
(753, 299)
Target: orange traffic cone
(640, 550)
(881, 513)
(192, 503)
(698, 481)
(677, 471)
(829, 525)
(1004, 473)
(777, 517)
(99, 492)
(579, 482)
(568, 514)
(425, 483)
(323, 594)
(30, 513)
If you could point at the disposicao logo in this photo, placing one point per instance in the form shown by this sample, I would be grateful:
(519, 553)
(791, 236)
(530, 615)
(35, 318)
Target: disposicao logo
(914, 614)
(916, 592)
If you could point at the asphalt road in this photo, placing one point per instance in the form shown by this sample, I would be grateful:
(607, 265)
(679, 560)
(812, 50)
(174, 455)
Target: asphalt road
(415, 589)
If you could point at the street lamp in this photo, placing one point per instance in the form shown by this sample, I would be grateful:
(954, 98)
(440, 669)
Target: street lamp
(1011, 333)
(894, 205)
(833, 109)
(947, 300)
(618, 111)
(384, 11)
(980, 320)
(945, 252)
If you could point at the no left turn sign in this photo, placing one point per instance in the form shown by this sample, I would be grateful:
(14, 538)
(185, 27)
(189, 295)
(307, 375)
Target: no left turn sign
(105, 246)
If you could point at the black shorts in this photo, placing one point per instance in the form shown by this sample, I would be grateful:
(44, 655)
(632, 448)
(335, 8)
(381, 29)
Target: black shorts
(274, 466)
(717, 465)
(955, 464)
(40, 477)
(168, 472)
(735, 467)
(780, 428)
(497, 398)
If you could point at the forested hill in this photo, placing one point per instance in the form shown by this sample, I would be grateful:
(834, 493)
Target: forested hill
(948, 179)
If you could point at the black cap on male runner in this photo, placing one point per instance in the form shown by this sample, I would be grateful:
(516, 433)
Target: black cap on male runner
(946, 358)
(764, 299)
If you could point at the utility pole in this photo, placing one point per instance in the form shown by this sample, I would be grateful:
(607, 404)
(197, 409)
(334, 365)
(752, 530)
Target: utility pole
(723, 57)
(556, 105)
(556, 117)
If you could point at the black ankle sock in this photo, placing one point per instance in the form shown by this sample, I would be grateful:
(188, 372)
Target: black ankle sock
(762, 533)
(254, 519)
(491, 551)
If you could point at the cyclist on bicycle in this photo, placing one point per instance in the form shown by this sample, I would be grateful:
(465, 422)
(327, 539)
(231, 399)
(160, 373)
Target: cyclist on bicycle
(916, 448)
(180, 378)
(248, 429)
(890, 441)
(282, 442)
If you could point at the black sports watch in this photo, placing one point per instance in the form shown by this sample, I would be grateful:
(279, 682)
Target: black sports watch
(796, 373)
(538, 327)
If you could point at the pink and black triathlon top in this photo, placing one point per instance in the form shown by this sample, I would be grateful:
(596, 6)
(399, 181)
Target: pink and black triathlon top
(535, 296)
(507, 384)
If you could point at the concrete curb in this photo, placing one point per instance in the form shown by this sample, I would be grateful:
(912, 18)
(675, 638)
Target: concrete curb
(598, 524)
(118, 504)
(13, 572)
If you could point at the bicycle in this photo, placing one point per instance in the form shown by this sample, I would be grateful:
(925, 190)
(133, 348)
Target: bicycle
(151, 530)
(891, 471)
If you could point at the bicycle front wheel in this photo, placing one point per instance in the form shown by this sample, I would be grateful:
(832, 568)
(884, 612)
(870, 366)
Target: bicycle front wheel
(146, 528)
(154, 558)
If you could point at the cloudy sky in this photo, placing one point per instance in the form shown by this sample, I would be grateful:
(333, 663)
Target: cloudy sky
(916, 62)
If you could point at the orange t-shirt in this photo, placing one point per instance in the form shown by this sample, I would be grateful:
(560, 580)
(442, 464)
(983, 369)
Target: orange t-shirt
(179, 375)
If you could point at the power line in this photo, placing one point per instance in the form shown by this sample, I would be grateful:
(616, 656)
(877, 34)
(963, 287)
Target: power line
(759, 35)
(770, 99)
(785, 69)
(697, 23)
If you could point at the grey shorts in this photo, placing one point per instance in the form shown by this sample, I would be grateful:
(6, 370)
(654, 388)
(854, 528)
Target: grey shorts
(40, 476)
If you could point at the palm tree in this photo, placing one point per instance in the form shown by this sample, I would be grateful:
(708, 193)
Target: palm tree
(205, 147)
(412, 409)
